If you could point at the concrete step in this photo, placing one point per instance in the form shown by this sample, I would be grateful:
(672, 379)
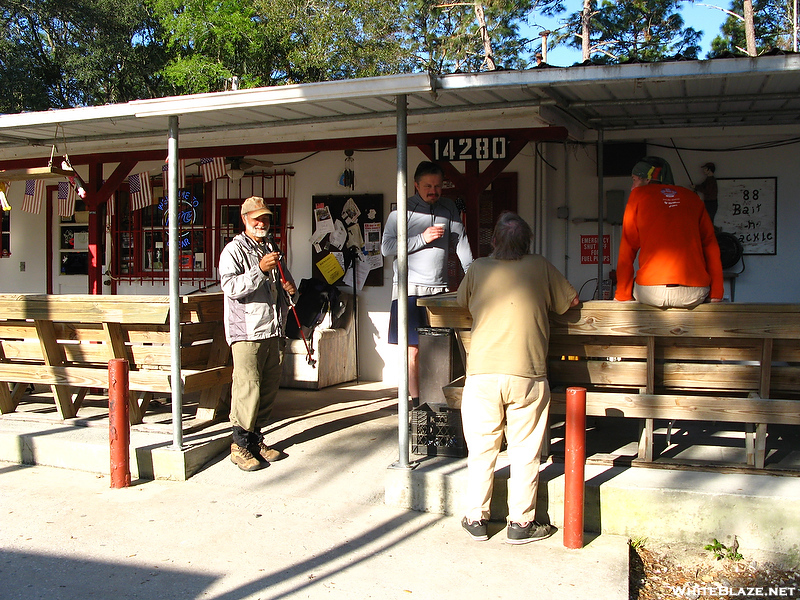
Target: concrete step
(688, 507)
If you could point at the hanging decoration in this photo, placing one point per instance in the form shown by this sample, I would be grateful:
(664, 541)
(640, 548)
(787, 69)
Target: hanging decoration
(348, 177)
(141, 191)
(5, 186)
(34, 193)
(212, 168)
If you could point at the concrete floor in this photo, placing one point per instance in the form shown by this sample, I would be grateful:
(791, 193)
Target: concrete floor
(345, 440)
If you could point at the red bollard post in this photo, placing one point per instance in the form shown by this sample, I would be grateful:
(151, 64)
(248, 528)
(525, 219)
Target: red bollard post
(574, 462)
(119, 424)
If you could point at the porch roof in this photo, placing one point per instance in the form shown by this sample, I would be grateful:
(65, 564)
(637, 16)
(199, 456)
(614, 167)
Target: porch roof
(716, 93)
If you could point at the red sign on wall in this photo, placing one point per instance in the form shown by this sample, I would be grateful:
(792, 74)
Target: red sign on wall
(589, 249)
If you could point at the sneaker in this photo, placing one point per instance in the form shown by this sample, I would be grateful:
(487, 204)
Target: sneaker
(244, 459)
(531, 532)
(476, 529)
(261, 450)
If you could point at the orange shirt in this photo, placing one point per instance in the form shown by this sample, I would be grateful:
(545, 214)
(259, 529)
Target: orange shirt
(668, 226)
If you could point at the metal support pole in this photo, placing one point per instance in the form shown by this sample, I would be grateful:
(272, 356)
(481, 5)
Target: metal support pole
(176, 384)
(119, 423)
(574, 461)
(402, 278)
(600, 214)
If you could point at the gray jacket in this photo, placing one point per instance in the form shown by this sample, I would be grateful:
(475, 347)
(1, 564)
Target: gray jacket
(255, 305)
(427, 263)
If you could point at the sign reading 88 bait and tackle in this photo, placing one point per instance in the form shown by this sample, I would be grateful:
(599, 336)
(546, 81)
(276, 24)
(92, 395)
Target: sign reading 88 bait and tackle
(747, 208)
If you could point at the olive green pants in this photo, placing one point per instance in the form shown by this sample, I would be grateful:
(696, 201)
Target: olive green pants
(256, 377)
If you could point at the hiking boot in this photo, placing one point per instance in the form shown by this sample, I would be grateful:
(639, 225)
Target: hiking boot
(261, 450)
(475, 529)
(244, 459)
(530, 532)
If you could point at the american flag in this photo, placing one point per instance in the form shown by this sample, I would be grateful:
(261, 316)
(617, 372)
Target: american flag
(141, 192)
(181, 175)
(34, 192)
(66, 199)
(212, 168)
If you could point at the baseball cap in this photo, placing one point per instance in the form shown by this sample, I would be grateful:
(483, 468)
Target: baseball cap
(255, 207)
(654, 168)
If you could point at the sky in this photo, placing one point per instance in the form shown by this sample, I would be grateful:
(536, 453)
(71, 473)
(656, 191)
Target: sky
(700, 16)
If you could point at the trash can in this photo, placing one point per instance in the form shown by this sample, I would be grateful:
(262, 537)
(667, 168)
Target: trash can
(439, 363)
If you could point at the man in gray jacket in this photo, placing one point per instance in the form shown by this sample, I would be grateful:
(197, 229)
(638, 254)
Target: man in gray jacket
(255, 317)
(433, 222)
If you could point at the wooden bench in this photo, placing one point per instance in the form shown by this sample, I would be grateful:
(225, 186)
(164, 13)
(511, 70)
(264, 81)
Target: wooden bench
(726, 362)
(66, 341)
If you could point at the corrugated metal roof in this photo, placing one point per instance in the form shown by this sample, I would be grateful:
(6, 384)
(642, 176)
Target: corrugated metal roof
(763, 91)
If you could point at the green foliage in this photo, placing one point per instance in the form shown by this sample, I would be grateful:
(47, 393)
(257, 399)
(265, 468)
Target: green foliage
(268, 42)
(720, 551)
(444, 35)
(57, 55)
(772, 22)
(636, 30)
(638, 543)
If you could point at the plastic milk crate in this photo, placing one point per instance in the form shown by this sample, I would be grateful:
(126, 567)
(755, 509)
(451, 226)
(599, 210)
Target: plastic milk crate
(436, 431)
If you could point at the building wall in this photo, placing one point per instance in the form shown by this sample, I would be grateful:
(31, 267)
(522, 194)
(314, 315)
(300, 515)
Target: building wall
(551, 176)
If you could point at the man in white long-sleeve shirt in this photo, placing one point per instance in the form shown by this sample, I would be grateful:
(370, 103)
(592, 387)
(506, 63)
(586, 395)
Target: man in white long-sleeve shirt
(432, 222)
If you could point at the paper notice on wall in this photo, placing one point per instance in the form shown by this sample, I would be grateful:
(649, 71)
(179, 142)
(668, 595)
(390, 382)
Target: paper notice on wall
(339, 235)
(372, 235)
(354, 237)
(350, 212)
(330, 269)
(362, 269)
(323, 220)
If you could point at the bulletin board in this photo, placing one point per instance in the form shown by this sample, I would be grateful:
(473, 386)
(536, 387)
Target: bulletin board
(347, 229)
(747, 209)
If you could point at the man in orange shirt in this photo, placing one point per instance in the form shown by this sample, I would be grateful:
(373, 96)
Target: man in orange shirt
(670, 230)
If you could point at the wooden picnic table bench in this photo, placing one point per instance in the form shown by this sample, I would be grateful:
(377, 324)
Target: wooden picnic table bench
(727, 362)
(66, 341)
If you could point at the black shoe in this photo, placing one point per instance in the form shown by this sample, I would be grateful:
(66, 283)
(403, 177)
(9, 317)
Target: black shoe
(475, 529)
(522, 534)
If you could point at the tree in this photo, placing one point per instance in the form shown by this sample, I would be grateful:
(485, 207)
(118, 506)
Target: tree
(772, 28)
(87, 52)
(636, 30)
(454, 35)
(269, 42)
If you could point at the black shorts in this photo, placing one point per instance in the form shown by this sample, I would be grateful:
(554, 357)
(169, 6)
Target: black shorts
(417, 317)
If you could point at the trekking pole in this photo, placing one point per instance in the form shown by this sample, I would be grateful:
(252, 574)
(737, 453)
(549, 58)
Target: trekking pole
(309, 358)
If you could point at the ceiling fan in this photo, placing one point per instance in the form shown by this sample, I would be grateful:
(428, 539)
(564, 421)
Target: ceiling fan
(236, 166)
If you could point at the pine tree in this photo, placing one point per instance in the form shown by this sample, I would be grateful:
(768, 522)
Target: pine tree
(635, 30)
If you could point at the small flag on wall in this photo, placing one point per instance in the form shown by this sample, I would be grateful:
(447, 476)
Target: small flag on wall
(66, 199)
(181, 175)
(34, 192)
(141, 192)
(212, 168)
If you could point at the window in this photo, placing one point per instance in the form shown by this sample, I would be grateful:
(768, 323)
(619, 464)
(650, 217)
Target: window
(73, 241)
(230, 222)
(141, 237)
(5, 233)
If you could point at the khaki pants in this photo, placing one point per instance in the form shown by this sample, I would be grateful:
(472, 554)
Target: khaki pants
(489, 403)
(256, 377)
(667, 296)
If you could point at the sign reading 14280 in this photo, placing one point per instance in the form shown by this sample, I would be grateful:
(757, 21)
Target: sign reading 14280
(469, 148)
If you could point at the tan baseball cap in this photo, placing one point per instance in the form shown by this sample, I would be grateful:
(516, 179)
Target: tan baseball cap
(255, 206)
